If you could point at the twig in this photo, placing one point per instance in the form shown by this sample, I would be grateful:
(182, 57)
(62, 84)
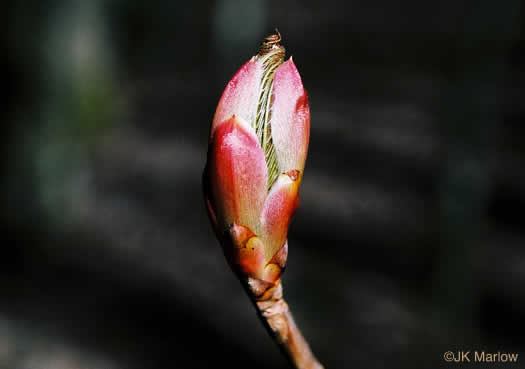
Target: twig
(278, 320)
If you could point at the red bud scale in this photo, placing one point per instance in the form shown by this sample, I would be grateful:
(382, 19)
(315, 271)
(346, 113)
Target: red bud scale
(256, 155)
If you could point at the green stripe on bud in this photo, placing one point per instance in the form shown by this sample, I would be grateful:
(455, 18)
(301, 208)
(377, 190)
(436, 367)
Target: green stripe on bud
(271, 55)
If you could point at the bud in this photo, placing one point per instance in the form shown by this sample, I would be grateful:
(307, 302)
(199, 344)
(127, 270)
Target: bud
(256, 155)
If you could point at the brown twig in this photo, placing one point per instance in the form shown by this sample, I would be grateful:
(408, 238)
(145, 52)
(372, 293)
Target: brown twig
(278, 320)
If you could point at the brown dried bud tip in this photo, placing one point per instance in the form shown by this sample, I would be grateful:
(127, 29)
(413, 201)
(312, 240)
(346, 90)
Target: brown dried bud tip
(270, 43)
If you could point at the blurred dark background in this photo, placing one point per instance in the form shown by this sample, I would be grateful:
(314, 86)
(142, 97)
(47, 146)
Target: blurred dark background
(410, 237)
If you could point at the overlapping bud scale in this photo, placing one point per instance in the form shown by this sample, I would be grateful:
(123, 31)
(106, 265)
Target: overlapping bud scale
(256, 155)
